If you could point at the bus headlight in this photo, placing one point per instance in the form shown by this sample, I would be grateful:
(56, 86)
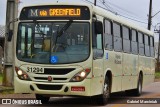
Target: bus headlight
(21, 74)
(80, 76)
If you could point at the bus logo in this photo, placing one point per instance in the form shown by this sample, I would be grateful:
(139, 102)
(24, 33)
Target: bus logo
(34, 12)
(49, 78)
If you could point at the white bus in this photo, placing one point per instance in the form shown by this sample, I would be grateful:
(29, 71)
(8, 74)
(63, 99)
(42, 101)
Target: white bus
(78, 49)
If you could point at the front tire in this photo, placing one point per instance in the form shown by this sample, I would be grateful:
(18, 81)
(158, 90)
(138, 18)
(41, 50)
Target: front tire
(43, 99)
(103, 98)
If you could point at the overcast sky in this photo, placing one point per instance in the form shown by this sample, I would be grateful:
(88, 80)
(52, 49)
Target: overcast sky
(134, 9)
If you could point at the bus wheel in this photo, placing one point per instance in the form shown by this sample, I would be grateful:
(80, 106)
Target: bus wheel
(43, 99)
(138, 90)
(103, 99)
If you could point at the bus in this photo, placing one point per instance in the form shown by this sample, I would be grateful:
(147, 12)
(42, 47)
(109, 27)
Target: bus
(78, 49)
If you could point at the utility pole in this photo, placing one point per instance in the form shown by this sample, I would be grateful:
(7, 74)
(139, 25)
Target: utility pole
(150, 15)
(95, 2)
(158, 50)
(11, 14)
(158, 31)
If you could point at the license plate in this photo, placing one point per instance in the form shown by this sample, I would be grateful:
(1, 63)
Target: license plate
(35, 70)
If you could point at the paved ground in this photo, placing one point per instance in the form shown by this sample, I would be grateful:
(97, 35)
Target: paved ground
(151, 91)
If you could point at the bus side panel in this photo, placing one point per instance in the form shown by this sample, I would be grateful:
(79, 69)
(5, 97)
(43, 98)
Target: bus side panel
(127, 71)
(150, 70)
(145, 67)
(97, 79)
(113, 61)
(135, 71)
(153, 69)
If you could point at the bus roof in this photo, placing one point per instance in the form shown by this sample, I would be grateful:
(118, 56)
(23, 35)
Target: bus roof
(108, 15)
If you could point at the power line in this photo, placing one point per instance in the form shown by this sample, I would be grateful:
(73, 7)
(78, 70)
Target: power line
(131, 14)
(119, 7)
(124, 16)
(108, 8)
(133, 19)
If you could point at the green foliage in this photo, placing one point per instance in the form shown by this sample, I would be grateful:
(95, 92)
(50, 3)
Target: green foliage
(7, 92)
(157, 75)
(1, 77)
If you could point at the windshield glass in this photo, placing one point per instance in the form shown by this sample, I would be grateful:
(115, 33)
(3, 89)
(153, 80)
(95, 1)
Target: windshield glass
(52, 43)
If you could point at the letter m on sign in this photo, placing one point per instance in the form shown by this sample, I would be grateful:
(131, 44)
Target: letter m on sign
(33, 13)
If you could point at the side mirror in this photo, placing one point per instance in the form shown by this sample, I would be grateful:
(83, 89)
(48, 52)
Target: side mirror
(97, 54)
(10, 34)
(98, 27)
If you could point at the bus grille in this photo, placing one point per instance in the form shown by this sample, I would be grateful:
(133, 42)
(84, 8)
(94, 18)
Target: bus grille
(51, 71)
(45, 78)
(49, 87)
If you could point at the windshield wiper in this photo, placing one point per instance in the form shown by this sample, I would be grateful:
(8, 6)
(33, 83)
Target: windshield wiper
(62, 31)
(38, 28)
(64, 28)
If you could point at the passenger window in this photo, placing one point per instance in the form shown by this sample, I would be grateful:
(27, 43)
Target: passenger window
(147, 49)
(140, 37)
(116, 30)
(125, 33)
(141, 43)
(134, 43)
(117, 37)
(108, 35)
(134, 36)
(152, 47)
(126, 40)
(108, 27)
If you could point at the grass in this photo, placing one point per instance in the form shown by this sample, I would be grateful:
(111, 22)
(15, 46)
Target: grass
(1, 77)
(157, 75)
(7, 92)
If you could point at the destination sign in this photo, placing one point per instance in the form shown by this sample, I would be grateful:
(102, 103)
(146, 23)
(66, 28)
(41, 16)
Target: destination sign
(76, 12)
(55, 12)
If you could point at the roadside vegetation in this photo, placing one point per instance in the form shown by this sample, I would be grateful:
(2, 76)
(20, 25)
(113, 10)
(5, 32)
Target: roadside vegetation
(157, 75)
(1, 77)
(7, 92)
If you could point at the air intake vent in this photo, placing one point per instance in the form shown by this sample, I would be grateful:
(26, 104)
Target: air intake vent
(49, 87)
(45, 78)
(50, 71)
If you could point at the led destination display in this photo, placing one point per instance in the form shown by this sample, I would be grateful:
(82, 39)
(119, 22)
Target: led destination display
(55, 12)
(76, 12)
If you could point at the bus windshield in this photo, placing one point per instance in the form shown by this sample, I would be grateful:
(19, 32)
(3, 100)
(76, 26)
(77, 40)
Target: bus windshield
(53, 43)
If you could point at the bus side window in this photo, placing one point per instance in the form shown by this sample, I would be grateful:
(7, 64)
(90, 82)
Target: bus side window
(141, 43)
(97, 40)
(126, 39)
(117, 37)
(108, 35)
(152, 46)
(134, 42)
(147, 49)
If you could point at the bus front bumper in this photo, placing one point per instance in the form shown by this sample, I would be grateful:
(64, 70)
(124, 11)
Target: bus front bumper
(53, 89)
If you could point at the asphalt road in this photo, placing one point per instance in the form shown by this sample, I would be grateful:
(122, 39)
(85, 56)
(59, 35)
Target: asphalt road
(150, 92)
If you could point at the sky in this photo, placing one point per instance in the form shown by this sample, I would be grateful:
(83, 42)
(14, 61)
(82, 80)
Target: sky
(132, 9)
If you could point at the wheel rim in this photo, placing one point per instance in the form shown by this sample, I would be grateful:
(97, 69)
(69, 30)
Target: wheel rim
(140, 86)
(106, 90)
